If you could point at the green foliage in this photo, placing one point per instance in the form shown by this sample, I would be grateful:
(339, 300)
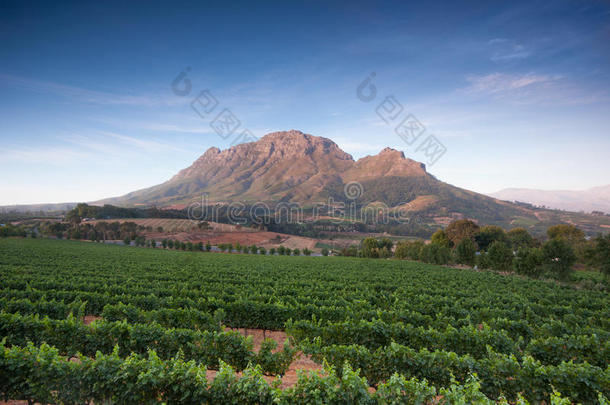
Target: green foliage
(399, 323)
(435, 253)
(440, 238)
(370, 248)
(12, 230)
(461, 229)
(408, 250)
(559, 258)
(520, 238)
(570, 233)
(528, 262)
(465, 252)
(500, 256)
(489, 234)
(602, 253)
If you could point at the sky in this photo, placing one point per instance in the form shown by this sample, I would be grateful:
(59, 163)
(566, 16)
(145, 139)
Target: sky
(98, 99)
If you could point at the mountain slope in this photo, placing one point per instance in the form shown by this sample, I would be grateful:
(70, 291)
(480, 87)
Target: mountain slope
(593, 199)
(299, 168)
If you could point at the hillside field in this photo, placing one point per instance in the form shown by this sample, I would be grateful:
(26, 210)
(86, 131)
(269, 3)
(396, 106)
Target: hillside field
(79, 322)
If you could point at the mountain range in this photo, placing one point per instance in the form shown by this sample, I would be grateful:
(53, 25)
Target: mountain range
(291, 166)
(297, 168)
(590, 200)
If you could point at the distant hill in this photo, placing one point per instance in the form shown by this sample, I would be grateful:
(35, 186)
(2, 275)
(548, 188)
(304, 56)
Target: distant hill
(37, 207)
(294, 167)
(593, 199)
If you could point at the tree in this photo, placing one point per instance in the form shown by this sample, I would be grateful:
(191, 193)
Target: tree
(153, 243)
(489, 234)
(602, 253)
(296, 252)
(520, 238)
(287, 251)
(384, 253)
(528, 262)
(272, 251)
(164, 243)
(466, 252)
(208, 246)
(262, 250)
(500, 256)
(324, 251)
(170, 243)
(369, 247)
(253, 249)
(435, 253)
(440, 238)
(385, 243)
(570, 233)
(573, 236)
(559, 257)
(307, 252)
(73, 217)
(460, 229)
(281, 250)
(127, 241)
(200, 246)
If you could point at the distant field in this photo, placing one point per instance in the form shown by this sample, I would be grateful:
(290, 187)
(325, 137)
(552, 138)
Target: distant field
(179, 225)
(519, 336)
(187, 231)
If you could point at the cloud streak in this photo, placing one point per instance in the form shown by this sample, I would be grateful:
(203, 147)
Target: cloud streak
(502, 83)
(88, 95)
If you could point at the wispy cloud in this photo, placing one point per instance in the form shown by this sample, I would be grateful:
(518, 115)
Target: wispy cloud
(72, 148)
(499, 83)
(506, 50)
(88, 95)
(533, 88)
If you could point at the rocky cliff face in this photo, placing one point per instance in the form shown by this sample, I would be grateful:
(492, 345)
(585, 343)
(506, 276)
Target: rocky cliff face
(281, 166)
(296, 157)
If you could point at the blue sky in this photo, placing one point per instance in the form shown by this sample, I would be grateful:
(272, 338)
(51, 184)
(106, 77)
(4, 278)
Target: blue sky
(517, 92)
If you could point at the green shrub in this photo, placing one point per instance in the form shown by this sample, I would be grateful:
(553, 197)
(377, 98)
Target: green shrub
(500, 256)
(558, 258)
(528, 262)
(466, 252)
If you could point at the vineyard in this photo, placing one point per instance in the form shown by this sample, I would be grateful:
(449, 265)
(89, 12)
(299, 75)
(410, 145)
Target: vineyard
(387, 331)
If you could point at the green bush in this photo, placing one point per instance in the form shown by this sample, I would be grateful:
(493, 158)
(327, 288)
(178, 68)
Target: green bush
(436, 254)
(559, 257)
(500, 256)
(466, 252)
(528, 262)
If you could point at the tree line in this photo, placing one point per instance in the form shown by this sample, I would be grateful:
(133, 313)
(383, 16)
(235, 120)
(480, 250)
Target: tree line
(491, 247)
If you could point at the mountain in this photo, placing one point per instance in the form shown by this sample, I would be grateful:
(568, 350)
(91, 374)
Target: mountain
(291, 166)
(593, 199)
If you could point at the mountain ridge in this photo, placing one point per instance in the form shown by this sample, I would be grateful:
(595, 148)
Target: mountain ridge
(299, 168)
(588, 200)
